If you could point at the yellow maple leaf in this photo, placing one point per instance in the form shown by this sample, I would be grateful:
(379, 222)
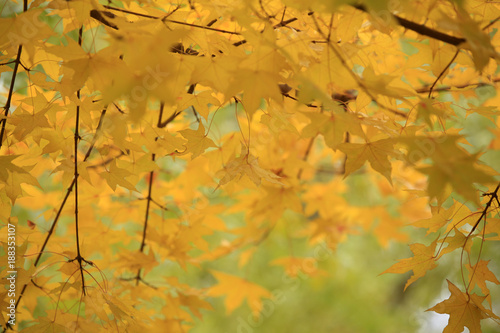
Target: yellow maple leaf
(452, 166)
(332, 126)
(200, 102)
(12, 176)
(465, 310)
(440, 217)
(423, 260)
(479, 274)
(116, 176)
(377, 153)
(236, 290)
(458, 240)
(246, 164)
(294, 266)
(198, 141)
(135, 261)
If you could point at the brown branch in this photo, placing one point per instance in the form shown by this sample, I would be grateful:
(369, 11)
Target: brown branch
(161, 123)
(79, 257)
(453, 59)
(139, 279)
(426, 89)
(493, 196)
(158, 204)
(6, 107)
(4, 122)
(7, 63)
(11, 92)
(285, 23)
(491, 23)
(278, 25)
(306, 155)
(422, 29)
(148, 203)
(169, 120)
(165, 19)
(63, 203)
(107, 161)
(99, 16)
(146, 219)
(151, 174)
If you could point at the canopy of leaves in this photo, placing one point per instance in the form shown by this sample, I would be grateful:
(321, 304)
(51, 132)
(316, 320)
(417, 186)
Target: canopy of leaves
(199, 165)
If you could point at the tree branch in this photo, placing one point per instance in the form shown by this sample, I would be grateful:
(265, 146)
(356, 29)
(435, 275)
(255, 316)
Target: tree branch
(169, 120)
(79, 257)
(493, 196)
(422, 29)
(165, 19)
(11, 92)
(306, 155)
(148, 203)
(146, 219)
(426, 89)
(63, 203)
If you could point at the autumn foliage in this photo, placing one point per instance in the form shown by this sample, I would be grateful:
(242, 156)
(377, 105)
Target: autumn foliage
(145, 142)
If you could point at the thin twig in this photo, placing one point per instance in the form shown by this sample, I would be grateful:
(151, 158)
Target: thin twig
(306, 155)
(77, 138)
(63, 203)
(169, 120)
(11, 92)
(165, 19)
(146, 219)
(148, 204)
(491, 23)
(442, 73)
(425, 89)
(493, 195)
(422, 29)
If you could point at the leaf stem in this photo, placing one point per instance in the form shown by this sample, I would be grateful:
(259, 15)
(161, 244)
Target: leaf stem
(442, 73)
